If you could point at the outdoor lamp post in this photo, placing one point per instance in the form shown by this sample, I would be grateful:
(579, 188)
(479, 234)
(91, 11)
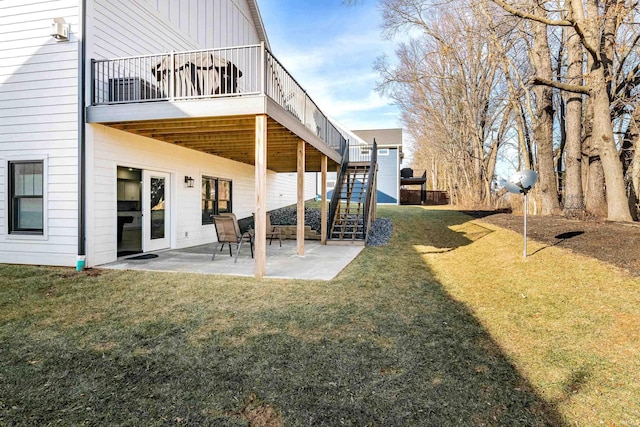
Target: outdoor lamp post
(520, 183)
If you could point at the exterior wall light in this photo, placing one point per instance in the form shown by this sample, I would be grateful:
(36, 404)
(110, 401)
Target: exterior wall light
(189, 181)
(60, 30)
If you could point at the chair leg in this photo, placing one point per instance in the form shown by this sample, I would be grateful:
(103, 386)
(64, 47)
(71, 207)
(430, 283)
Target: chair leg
(238, 251)
(216, 250)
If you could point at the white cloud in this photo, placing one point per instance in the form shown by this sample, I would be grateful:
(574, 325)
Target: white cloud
(334, 64)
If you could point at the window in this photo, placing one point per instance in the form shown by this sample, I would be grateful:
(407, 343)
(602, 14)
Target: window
(216, 198)
(383, 151)
(26, 207)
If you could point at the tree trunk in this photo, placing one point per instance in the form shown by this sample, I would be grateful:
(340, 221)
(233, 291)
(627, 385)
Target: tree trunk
(595, 202)
(573, 195)
(617, 203)
(596, 205)
(543, 130)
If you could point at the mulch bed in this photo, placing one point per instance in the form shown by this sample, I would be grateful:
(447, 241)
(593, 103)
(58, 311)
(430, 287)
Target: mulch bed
(612, 242)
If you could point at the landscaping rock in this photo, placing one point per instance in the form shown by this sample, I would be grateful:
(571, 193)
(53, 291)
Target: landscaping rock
(380, 232)
(289, 216)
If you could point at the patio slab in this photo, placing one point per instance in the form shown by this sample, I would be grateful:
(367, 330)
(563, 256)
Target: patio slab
(320, 262)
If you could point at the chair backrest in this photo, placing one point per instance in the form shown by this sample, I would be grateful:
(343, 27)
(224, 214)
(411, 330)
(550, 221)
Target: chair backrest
(227, 228)
(236, 226)
(269, 226)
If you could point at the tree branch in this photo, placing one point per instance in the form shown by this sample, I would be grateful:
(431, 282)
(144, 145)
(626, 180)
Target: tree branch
(543, 20)
(557, 22)
(562, 86)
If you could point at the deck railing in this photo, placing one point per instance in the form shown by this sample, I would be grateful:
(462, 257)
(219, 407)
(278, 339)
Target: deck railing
(369, 204)
(206, 74)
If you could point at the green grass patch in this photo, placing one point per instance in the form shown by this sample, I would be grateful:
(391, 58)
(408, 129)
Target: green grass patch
(447, 325)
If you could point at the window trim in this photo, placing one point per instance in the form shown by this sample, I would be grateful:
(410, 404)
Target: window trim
(216, 201)
(26, 235)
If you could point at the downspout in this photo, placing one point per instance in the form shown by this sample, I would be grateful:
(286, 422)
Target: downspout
(81, 136)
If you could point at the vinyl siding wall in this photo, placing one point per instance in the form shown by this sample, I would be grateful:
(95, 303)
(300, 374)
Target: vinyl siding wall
(128, 28)
(208, 21)
(123, 28)
(38, 120)
(115, 148)
(388, 176)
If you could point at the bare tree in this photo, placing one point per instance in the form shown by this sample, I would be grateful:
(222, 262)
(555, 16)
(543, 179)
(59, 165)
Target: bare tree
(543, 130)
(452, 93)
(596, 24)
(573, 194)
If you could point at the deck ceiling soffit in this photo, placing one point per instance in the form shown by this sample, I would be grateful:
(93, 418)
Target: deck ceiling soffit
(229, 137)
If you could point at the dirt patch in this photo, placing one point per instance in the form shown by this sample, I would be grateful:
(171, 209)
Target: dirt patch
(259, 414)
(612, 242)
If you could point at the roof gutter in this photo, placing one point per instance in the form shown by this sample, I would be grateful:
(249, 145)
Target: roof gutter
(257, 20)
(82, 51)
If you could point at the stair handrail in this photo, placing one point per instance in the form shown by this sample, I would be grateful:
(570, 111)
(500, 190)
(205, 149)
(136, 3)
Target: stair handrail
(366, 221)
(337, 190)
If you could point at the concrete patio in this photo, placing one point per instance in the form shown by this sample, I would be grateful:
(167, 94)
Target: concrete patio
(320, 262)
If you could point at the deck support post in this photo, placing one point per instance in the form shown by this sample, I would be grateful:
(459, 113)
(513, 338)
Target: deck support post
(300, 198)
(323, 200)
(260, 237)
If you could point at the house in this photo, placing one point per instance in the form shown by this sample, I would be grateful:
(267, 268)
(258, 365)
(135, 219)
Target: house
(389, 160)
(390, 157)
(127, 124)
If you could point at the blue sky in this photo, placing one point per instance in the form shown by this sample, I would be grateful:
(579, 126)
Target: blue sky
(330, 50)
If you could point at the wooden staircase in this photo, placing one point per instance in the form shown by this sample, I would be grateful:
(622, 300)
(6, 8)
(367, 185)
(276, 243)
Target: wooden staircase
(348, 222)
(352, 201)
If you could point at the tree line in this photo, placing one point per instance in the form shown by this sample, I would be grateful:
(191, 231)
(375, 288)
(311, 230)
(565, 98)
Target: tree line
(546, 85)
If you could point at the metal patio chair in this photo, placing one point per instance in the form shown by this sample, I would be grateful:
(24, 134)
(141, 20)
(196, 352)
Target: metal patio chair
(228, 232)
(273, 232)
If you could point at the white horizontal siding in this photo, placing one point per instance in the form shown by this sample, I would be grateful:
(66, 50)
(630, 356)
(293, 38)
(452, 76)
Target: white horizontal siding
(114, 148)
(38, 118)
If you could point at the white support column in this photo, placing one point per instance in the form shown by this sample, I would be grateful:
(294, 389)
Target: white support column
(261, 196)
(301, 169)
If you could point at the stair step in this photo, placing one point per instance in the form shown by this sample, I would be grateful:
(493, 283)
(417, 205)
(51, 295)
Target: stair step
(332, 242)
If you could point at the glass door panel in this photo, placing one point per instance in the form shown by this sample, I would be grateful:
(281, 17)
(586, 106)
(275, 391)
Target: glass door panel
(156, 216)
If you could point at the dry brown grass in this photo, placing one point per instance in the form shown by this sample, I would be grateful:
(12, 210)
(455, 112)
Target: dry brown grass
(571, 324)
(447, 325)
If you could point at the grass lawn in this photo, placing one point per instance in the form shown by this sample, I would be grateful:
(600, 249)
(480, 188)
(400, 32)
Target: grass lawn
(446, 326)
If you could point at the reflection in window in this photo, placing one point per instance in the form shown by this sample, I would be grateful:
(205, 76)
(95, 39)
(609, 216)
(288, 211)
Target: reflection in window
(216, 198)
(157, 208)
(26, 210)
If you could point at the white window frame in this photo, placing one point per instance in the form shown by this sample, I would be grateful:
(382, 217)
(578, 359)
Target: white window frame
(34, 157)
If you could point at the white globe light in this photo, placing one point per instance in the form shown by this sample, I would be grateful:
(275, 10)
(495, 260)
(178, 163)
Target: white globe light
(521, 182)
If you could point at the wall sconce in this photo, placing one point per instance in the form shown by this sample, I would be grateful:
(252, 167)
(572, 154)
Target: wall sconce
(189, 181)
(60, 30)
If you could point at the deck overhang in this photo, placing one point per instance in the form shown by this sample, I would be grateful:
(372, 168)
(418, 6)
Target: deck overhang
(223, 127)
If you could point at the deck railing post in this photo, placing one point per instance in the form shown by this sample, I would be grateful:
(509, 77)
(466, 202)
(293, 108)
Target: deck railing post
(172, 75)
(263, 68)
(93, 82)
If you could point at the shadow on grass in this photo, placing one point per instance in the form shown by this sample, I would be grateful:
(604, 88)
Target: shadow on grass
(484, 213)
(562, 237)
(382, 344)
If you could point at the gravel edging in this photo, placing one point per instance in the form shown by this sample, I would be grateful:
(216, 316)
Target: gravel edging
(379, 234)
